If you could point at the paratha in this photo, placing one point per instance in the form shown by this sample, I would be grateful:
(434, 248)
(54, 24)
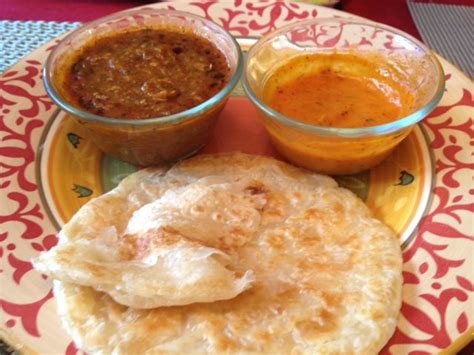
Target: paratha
(309, 269)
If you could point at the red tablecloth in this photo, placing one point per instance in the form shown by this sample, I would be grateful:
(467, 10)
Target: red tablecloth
(393, 12)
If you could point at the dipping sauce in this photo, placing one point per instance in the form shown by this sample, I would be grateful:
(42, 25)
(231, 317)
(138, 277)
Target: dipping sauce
(144, 73)
(155, 80)
(337, 96)
(336, 90)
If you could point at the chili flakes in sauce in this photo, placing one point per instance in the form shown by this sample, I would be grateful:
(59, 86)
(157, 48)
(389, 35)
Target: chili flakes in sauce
(145, 73)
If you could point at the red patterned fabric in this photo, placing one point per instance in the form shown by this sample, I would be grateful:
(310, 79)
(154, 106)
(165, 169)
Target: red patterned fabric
(394, 12)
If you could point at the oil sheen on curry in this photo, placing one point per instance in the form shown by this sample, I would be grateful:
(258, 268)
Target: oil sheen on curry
(337, 90)
(144, 73)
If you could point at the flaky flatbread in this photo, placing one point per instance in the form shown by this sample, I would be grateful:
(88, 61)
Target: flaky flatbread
(304, 266)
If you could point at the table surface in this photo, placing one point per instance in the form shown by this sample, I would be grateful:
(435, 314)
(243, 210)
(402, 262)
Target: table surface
(394, 12)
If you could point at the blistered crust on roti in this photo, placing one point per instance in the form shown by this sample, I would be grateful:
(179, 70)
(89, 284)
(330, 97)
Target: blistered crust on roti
(326, 274)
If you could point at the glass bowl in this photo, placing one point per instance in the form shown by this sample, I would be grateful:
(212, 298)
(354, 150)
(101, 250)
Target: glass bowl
(334, 150)
(147, 141)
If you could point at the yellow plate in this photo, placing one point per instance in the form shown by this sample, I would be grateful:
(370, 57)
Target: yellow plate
(73, 170)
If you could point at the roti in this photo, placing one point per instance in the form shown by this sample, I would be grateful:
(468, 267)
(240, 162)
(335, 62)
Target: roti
(227, 253)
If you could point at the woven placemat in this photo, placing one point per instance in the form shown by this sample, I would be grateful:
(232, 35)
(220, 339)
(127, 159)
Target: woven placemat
(447, 29)
(19, 38)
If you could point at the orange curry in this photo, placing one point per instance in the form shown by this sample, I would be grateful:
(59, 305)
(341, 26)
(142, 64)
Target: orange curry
(340, 90)
(333, 98)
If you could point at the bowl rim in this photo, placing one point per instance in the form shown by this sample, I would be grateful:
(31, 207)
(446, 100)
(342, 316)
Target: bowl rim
(174, 118)
(378, 130)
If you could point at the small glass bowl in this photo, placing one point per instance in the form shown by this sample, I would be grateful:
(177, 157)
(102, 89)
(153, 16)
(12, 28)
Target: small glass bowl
(153, 140)
(333, 150)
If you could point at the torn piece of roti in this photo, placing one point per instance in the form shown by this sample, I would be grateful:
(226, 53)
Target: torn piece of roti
(306, 267)
(172, 251)
(156, 268)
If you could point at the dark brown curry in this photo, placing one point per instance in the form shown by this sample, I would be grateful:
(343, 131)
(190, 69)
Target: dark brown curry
(145, 73)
